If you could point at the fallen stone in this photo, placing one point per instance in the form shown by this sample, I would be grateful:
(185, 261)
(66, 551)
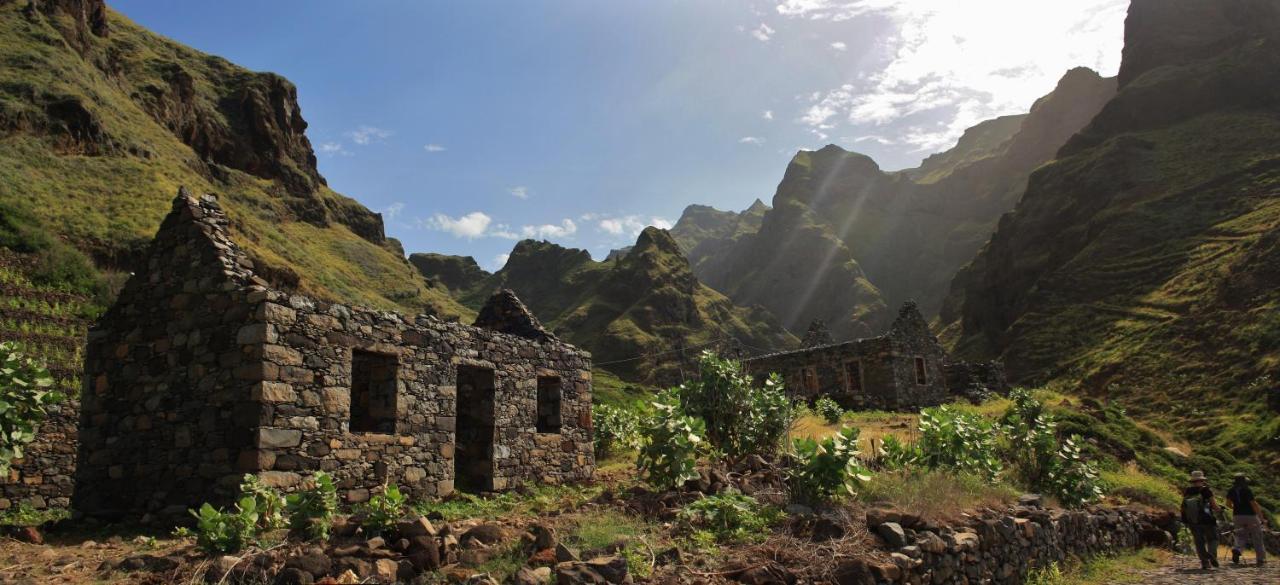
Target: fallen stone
(419, 526)
(485, 533)
(892, 534)
(532, 576)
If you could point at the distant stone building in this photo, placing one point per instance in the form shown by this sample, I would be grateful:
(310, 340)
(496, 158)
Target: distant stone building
(201, 373)
(904, 369)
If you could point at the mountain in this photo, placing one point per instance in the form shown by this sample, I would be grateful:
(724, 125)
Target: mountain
(1141, 265)
(845, 239)
(704, 232)
(643, 315)
(101, 121)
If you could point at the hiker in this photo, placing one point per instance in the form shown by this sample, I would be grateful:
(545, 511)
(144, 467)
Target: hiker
(1199, 513)
(1247, 520)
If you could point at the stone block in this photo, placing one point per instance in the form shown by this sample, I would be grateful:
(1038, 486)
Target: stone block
(273, 313)
(335, 400)
(278, 438)
(273, 392)
(256, 333)
(285, 356)
(280, 479)
(256, 460)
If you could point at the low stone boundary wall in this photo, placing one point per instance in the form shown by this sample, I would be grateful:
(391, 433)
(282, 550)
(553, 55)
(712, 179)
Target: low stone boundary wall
(996, 547)
(45, 476)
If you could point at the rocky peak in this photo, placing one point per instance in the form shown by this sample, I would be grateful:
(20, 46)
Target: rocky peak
(1054, 118)
(536, 257)
(457, 273)
(1164, 32)
(656, 260)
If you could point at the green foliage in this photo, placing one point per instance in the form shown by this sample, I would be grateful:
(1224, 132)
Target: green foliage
(730, 517)
(828, 409)
(537, 500)
(616, 429)
(227, 532)
(1072, 480)
(895, 454)
(268, 501)
(671, 442)
(959, 441)
(826, 469)
(383, 510)
(24, 394)
(741, 418)
(24, 514)
(311, 510)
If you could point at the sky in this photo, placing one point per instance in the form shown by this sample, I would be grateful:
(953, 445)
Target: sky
(472, 125)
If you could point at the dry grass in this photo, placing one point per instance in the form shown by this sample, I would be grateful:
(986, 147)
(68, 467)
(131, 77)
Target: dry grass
(937, 495)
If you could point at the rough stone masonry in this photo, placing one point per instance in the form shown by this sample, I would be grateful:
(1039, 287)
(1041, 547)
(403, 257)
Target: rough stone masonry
(201, 373)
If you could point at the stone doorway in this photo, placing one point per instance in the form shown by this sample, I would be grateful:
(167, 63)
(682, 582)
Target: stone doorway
(473, 449)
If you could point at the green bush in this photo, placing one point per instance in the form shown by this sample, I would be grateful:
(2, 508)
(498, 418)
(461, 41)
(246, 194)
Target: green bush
(824, 470)
(268, 502)
(671, 441)
(895, 454)
(730, 517)
(383, 510)
(958, 441)
(227, 532)
(24, 394)
(740, 417)
(616, 429)
(1029, 442)
(311, 511)
(828, 410)
(1072, 480)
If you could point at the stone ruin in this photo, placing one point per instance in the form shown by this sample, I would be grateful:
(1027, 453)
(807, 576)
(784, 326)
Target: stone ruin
(201, 373)
(904, 369)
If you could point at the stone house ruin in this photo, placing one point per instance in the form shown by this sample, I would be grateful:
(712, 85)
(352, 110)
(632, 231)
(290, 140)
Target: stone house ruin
(201, 373)
(904, 369)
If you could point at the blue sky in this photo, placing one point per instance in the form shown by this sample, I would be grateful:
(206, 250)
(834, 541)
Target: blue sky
(473, 124)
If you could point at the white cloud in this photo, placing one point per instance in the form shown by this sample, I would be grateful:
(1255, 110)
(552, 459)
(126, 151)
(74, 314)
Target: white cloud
(393, 211)
(332, 149)
(839, 46)
(499, 261)
(365, 135)
(545, 231)
(768, 115)
(754, 140)
(519, 192)
(470, 226)
(631, 225)
(434, 148)
(949, 65)
(763, 32)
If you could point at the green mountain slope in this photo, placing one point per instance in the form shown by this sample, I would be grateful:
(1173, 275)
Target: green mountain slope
(1142, 264)
(101, 121)
(845, 239)
(643, 315)
(706, 232)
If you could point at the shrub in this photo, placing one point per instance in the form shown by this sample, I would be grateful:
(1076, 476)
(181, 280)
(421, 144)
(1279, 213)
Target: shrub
(269, 503)
(383, 510)
(311, 510)
(826, 469)
(895, 454)
(730, 517)
(1030, 443)
(616, 429)
(740, 417)
(828, 410)
(671, 441)
(227, 532)
(1072, 480)
(24, 394)
(958, 441)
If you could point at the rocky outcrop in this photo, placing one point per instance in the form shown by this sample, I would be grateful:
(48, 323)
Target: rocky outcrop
(77, 20)
(505, 313)
(458, 273)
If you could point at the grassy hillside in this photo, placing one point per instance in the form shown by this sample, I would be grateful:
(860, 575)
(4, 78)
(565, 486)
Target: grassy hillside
(644, 316)
(101, 121)
(1142, 265)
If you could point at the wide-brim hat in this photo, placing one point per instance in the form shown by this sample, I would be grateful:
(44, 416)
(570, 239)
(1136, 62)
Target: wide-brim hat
(1198, 476)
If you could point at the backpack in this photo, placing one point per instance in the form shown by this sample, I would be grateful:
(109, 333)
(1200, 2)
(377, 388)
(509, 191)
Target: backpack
(1194, 511)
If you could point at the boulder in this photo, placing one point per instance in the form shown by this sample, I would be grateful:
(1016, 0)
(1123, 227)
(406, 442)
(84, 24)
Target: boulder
(485, 533)
(532, 576)
(892, 534)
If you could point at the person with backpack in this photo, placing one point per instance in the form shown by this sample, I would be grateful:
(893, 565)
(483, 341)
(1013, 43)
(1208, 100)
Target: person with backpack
(1199, 512)
(1247, 519)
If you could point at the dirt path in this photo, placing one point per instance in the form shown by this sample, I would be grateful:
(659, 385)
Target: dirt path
(1185, 570)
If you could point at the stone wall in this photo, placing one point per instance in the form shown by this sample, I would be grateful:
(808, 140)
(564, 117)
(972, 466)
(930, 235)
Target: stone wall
(886, 366)
(43, 478)
(996, 547)
(200, 373)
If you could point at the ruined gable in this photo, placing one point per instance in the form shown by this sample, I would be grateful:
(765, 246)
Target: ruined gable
(506, 313)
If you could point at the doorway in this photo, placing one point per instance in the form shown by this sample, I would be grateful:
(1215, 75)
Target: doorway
(473, 449)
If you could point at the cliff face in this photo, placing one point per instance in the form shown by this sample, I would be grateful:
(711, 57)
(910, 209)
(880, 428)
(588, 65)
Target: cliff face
(1136, 265)
(101, 121)
(845, 239)
(643, 315)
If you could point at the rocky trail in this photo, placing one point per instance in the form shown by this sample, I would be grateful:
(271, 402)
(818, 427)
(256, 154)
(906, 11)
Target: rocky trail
(1185, 570)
